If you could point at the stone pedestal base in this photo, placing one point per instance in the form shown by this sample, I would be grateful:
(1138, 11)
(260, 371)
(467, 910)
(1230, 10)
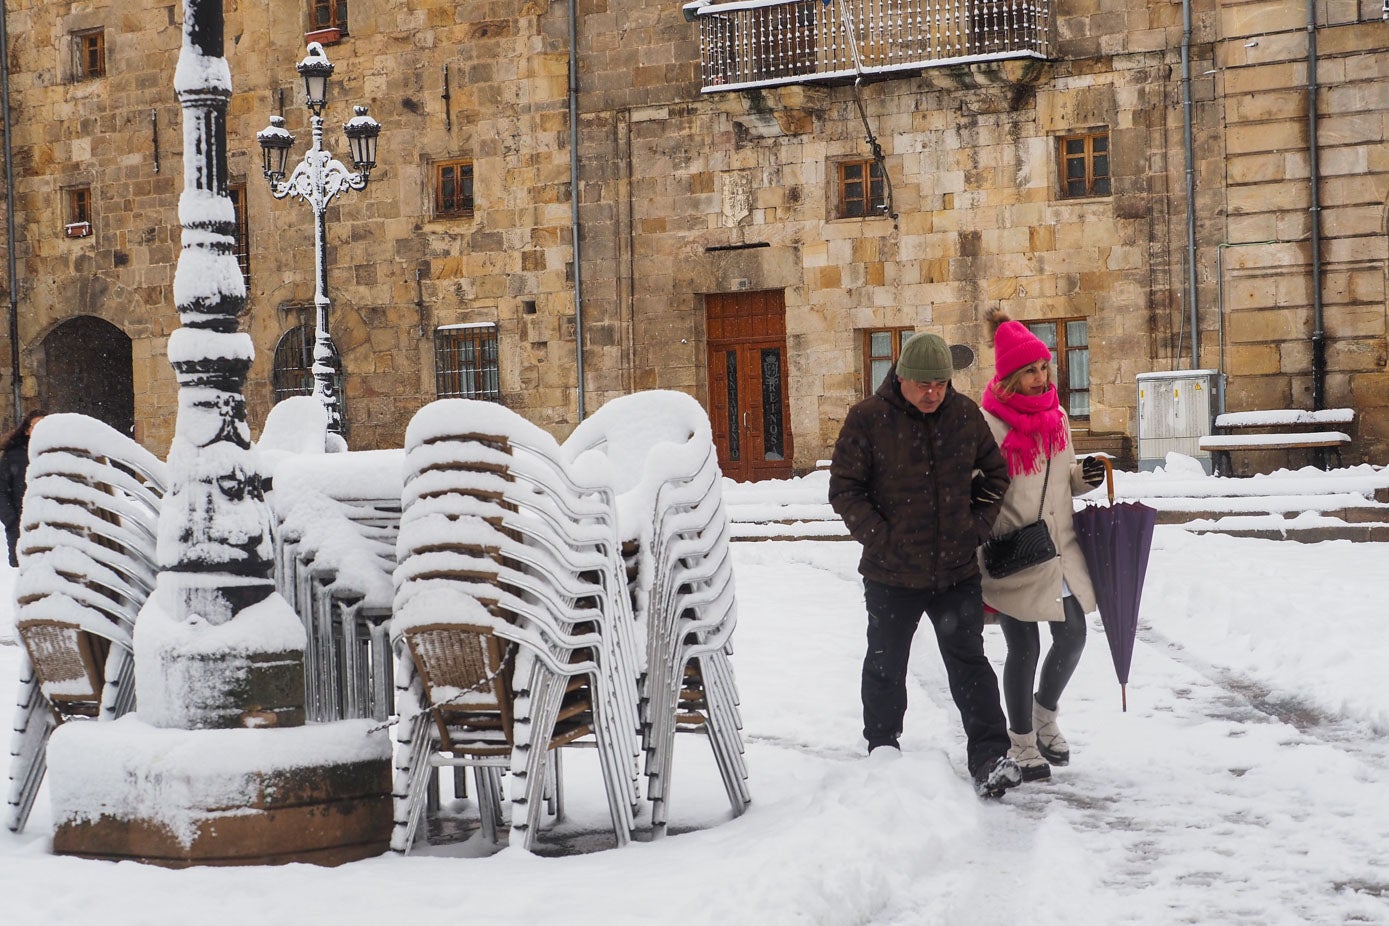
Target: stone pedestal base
(125, 790)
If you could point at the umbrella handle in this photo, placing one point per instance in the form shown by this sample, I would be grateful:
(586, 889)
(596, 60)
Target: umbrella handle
(1108, 475)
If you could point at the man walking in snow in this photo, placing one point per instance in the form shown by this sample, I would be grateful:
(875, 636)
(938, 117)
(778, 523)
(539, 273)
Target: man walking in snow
(918, 479)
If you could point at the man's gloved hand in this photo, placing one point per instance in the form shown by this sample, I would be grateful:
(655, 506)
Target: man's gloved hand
(981, 493)
(1092, 470)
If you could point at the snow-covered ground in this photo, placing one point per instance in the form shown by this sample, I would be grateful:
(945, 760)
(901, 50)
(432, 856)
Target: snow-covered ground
(1245, 784)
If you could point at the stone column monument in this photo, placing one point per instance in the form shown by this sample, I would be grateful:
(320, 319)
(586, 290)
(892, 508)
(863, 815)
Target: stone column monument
(216, 766)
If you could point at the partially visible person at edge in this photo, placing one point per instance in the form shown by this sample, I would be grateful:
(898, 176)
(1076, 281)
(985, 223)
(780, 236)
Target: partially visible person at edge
(903, 478)
(1022, 408)
(14, 464)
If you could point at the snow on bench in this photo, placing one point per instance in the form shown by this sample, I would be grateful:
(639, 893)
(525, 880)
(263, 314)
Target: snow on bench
(1275, 441)
(1223, 442)
(1284, 417)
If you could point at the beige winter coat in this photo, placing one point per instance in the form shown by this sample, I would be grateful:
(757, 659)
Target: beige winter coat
(1035, 593)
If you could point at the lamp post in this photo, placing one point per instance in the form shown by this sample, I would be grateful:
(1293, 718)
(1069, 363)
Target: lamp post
(316, 179)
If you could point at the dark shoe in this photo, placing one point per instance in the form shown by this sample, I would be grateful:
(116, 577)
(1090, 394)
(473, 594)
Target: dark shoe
(996, 776)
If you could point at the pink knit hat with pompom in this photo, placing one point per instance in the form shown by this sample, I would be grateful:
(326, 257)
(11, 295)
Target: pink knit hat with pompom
(1015, 347)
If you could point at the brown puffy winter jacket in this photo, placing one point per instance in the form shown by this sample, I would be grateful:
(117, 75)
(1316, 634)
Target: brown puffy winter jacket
(900, 479)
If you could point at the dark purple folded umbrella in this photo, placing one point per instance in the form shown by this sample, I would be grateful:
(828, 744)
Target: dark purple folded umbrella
(1116, 540)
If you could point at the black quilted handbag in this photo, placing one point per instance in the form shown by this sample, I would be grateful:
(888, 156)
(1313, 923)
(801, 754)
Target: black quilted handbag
(1025, 547)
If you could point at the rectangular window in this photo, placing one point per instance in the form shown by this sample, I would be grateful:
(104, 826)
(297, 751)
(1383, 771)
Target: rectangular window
(90, 49)
(1084, 164)
(881, 348)
(237, 192)
(328, 14)
(465, 362)
(453, 188)
(79, 205)
(861, 189)
(77, 212)
(1069, 340)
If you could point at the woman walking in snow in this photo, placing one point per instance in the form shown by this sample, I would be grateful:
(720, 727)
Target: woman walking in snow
(1022, 408)
(14, 465)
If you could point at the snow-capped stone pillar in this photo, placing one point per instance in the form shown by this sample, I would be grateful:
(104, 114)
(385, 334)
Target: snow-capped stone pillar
(216, 765)
(215, 646)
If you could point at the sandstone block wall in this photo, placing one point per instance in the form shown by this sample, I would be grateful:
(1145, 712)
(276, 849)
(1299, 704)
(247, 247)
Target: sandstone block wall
(683, 194)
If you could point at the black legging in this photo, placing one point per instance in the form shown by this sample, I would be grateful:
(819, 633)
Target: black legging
(1020, 665)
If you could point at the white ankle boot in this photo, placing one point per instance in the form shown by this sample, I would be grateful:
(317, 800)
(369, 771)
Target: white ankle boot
(1024, 752)
(1050, 743)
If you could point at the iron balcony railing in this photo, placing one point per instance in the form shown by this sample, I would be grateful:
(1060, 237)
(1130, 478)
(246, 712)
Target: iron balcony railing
(757, 43)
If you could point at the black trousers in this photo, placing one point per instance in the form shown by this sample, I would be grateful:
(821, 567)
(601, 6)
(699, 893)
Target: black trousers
(957, 615)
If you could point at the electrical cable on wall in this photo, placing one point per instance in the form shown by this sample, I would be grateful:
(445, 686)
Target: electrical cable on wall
(873, 146)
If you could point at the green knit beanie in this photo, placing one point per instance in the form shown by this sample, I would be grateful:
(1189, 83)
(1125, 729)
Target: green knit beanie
(925, 359)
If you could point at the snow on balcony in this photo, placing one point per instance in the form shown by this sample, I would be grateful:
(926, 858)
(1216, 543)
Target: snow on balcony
(758, 43)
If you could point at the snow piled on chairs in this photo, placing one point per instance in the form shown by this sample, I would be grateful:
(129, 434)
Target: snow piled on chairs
(335, 521)
(659, 445)
(87, 562)
(513, 626)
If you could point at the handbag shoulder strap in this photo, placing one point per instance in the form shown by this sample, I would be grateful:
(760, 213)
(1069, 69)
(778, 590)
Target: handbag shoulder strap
(1042, 506)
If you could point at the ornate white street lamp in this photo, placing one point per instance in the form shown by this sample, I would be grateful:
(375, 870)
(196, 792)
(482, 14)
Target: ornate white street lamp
(316, 180)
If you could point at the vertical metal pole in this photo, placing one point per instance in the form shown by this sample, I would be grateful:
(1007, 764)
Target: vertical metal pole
(574, 202)
(1190, 150)
(324, 357)
(9, 216)
(1314, 181)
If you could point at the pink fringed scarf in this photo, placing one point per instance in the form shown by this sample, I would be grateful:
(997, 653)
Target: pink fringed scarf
(1035, 426)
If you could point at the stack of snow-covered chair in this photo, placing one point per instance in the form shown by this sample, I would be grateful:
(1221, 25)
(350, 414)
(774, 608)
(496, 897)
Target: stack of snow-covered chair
(513, 623)
(660, 448)
(87, 563)
(336, 517)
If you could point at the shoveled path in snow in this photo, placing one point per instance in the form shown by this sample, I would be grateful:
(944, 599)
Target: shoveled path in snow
(1212, 800)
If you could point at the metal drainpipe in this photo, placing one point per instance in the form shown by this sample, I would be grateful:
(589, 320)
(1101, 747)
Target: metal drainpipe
(574, 199)
(9, 214)
(1314, 179)
(1190, 187)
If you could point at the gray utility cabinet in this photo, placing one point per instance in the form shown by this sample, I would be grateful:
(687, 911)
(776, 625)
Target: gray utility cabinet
(1175, 410)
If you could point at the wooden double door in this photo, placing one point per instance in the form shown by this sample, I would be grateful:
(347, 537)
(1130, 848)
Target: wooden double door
(748, 404)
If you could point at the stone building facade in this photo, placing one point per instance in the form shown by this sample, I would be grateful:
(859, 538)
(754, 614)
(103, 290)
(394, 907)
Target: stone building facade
(725, 246)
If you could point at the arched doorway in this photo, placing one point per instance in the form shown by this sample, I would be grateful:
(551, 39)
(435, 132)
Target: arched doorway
(87, 369)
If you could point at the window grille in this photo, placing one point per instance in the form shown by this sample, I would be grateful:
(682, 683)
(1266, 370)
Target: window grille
(237, 192)
(292, 373)
(465, 362)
